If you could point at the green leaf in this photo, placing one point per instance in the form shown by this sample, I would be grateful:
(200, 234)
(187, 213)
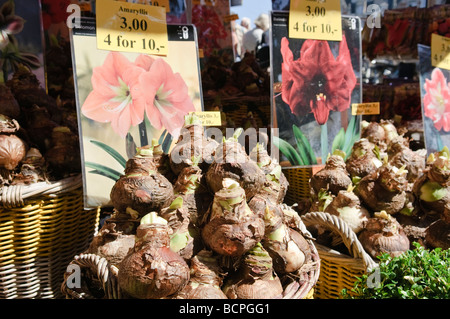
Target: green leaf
(324, 142)
(338, 141)
(304, 146)
(103, 170)
(108, 149)
(301, 149)
(161, 138)
(287, 150)
(349, 135)
(130, 146)
(166, 143)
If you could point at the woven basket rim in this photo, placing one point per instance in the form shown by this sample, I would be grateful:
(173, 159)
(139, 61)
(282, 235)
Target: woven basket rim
(358, 256)
(107, 273)
(16, 195)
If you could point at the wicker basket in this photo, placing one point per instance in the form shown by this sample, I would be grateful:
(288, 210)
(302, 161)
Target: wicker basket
(337, 270)
(98, 272)
(42, 226)
(298, 178)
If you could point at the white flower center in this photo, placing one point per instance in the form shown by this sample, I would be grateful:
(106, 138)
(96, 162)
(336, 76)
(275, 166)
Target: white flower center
(163, 104)
(123, 97)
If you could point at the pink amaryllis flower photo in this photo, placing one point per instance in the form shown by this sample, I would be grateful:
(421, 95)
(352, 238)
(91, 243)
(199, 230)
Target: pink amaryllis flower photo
(165, 96)
(436, 102)
(115, 94)
(317, 81)
(124, 92)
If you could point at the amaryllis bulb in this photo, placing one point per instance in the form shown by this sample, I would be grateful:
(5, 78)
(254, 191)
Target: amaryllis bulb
(12, 150)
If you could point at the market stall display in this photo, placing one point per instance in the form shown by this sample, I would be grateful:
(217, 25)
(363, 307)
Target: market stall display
(386, 210)
(358, 191)
(259, 246)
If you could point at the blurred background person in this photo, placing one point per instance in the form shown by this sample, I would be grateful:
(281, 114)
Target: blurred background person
(253, 37)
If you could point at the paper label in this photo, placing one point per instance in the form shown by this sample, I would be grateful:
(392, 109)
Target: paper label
(209, 118)
(315, 19)
(210, 3)
(158, 3)
(131, 27)
(85, 6)
(231, 17)
(366, 108)
(440, 51)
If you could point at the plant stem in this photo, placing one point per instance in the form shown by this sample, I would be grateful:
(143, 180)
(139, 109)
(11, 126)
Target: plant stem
(143, 134)
(440, 145)
(324, 142)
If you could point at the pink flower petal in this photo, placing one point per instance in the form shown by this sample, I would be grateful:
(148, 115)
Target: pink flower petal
(94, 108)
(144, 61)
(116, 95)
(436, 101)
(172, 93)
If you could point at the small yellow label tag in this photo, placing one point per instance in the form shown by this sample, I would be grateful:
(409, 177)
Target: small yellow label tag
(440, 51)
(210, 3)
(131, 27)
(231, 17)
(315, 19)
(85, 6)
(209, 118)
(366, 108)
(158, 3)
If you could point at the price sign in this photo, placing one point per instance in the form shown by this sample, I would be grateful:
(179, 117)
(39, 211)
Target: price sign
(209, 118)
(365, 108)
(440, 51)
(131, 27)
(315, 19)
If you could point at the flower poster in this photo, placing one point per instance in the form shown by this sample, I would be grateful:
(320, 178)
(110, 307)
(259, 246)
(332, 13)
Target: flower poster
(435, 93)
(21, 39)
(315, 82)
(127, 100)
(214, 32)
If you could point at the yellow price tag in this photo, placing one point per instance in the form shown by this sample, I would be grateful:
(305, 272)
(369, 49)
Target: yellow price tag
(157, 3)
(366, 108)
(209, 118)
(131, 27)
(231, 17)
(440, 51)
(209, 3)
(315, 19)
(85, 6)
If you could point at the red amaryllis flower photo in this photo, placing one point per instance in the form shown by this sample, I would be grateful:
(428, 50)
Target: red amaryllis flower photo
(436, 102)
(317, 81)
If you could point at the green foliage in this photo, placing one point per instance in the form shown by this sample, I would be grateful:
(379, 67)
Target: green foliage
(303, 154)
(288, 150)
(417, 274)
(345, 139)
(304, 147)
(108, 149)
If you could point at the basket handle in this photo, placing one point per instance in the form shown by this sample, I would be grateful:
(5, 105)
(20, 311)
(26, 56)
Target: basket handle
(106, 273)
(340, 227)
(14, 195)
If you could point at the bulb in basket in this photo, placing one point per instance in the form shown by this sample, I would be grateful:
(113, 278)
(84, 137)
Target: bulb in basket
(142, 188)
(152, 270)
